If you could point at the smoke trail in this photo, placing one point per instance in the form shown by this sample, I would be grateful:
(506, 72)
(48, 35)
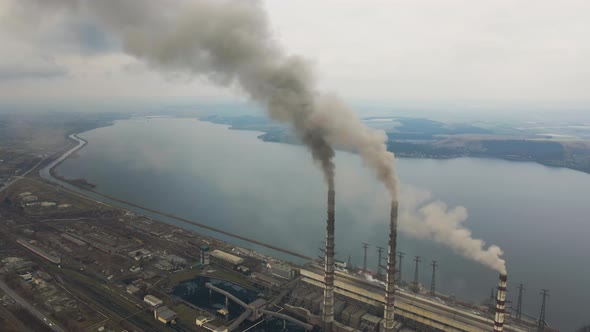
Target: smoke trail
(426, 219)
(230, 42)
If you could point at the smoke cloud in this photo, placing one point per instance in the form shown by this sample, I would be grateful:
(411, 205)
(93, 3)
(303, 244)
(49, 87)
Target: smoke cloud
(230, 43)
(423, 218)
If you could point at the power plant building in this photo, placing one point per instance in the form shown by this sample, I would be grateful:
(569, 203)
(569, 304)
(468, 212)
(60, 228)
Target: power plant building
(164, 315)
(204, 255)
(226, 258)
(282, 271)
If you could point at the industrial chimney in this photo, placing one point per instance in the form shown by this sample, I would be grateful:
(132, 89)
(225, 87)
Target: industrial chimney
(500, 304)
(328, 314)
(388, 321)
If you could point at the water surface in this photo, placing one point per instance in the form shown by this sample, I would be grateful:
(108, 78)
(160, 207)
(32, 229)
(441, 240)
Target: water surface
(274, 193)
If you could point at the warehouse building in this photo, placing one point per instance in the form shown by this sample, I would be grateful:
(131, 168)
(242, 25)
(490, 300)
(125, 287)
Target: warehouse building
(225, 258)
(164, 315)
(152, 301)
(282, 271)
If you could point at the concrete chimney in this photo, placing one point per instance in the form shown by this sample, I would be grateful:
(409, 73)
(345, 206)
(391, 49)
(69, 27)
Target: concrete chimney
(388, 321)
(500, 304)
(328, 313)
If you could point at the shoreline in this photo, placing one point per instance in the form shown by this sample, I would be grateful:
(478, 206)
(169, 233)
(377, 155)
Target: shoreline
(48, 174)
(263, 136)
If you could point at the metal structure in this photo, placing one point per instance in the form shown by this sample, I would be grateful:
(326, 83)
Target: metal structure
(409, 307)
(400, 255)
(389, 312)
(500, 304)
(379, 266)
(328, 312)
(365, 246)
(250, 309)
(433, 281)
(519, 303)
(545, 294)
(416, 260)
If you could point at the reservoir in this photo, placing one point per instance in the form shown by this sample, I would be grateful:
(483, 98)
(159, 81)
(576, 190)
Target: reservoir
(274, 193)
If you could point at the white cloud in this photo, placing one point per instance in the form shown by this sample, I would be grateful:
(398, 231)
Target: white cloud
(423, 51)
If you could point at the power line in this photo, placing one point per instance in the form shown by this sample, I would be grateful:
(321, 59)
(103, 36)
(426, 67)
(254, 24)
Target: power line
(545, 294)
(400, 255)
(365, 246)
(519, 303)
(417, 260)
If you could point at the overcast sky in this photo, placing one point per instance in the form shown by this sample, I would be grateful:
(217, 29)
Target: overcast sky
(423, 52)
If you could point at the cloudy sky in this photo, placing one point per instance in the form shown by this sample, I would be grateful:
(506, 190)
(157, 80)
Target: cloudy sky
(506, 52)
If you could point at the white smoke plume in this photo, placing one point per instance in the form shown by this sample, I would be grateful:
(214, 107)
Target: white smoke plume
(424, 218)
(230, 43)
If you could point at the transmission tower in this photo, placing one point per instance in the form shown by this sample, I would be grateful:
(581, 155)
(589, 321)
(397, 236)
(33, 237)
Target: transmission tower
(545, 294)
(519, 303)
(400, 255)
(349, 264)
(433, 282)
(379, 266)
(417, 260)
(365, 246)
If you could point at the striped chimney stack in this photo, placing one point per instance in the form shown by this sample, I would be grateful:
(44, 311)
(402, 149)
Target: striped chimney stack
(388, 314)
(328, 313)
(500, 304)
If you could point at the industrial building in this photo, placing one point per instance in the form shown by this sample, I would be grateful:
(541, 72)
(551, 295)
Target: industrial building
(282, 270)
(152, 301)
(175, 260)
(164, 315)
(359, 304)
(204, 254)
(226, 258)
(39, 251)
(140, 254)
(72, 239)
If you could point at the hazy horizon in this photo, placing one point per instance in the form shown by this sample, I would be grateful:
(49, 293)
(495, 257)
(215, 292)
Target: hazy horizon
(468, 56)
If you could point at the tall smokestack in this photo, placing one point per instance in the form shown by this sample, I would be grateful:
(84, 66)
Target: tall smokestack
(500, 304)
(388, 315)
(328, 314)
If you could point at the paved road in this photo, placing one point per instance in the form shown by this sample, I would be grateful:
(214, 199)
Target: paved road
(29, 307)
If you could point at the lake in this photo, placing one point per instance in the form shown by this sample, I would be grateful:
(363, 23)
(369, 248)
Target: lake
(273, 192)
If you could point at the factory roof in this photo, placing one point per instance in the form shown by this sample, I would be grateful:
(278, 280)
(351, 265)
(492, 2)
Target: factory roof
(152, 300)
(258, 303)
(372, 318)
(227, 257)
(282, 266)
(175, 259)
(165, 313)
